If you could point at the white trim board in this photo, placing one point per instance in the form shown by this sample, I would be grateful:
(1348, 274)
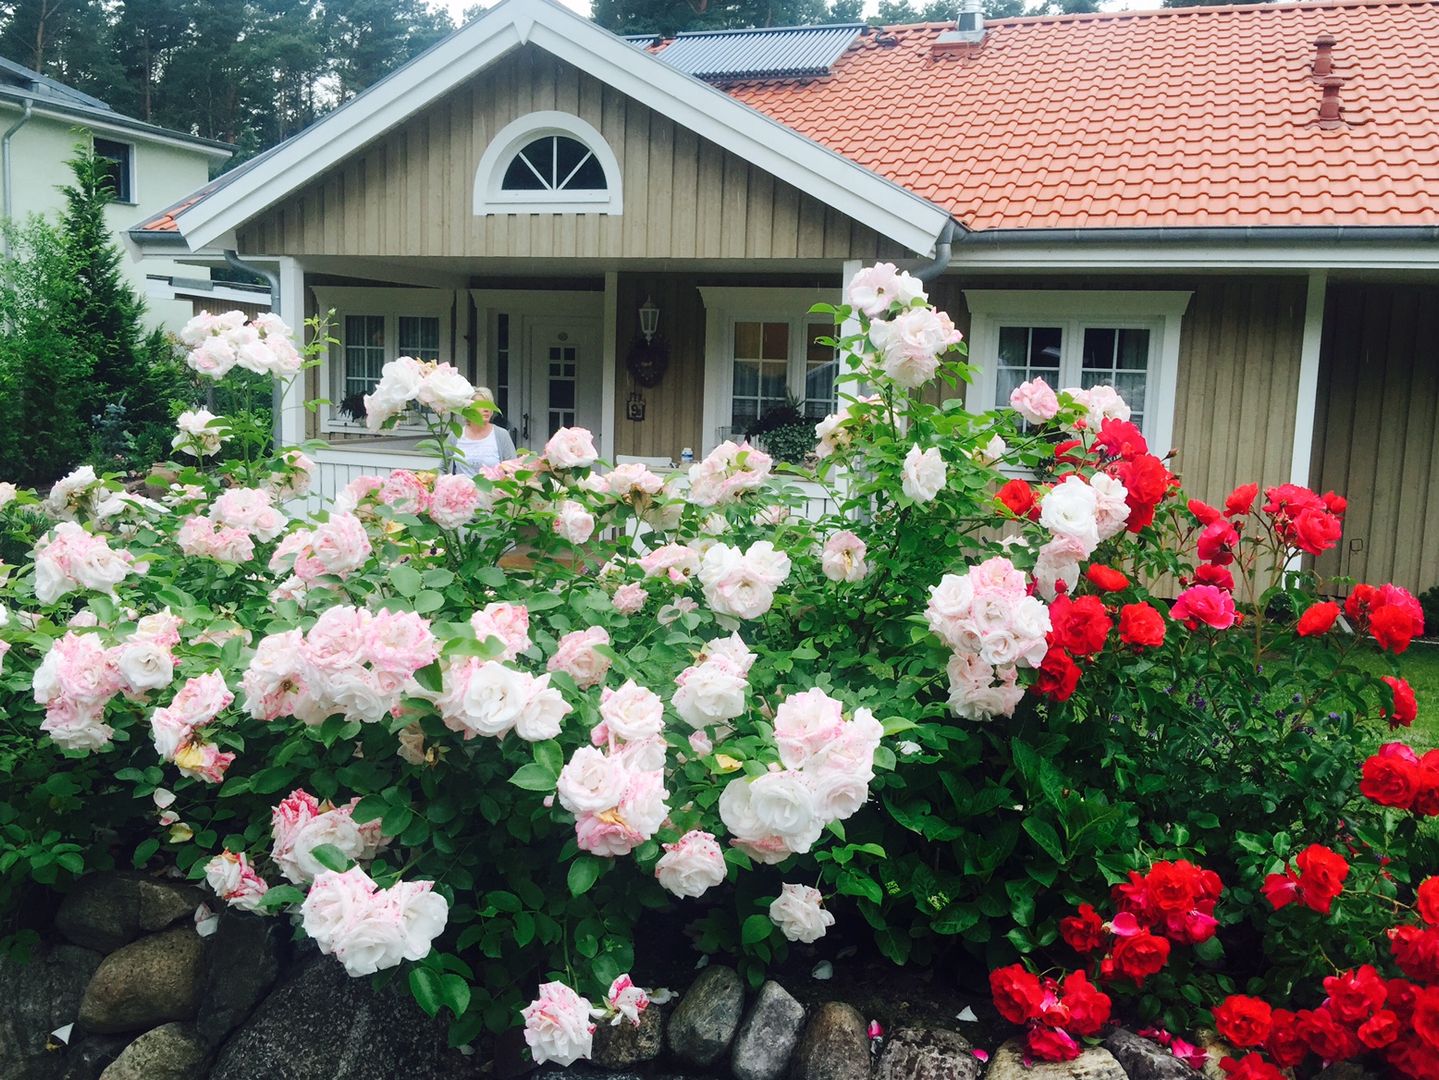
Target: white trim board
(1159, 311)
(490, 198)
(850, 188)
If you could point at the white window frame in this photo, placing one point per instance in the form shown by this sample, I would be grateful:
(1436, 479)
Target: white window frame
(390, 304)
(132, 175)
(726, 305)
(1072, 310)
(491, 198)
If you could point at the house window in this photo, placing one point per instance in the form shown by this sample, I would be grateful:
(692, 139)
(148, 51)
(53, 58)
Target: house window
(117, 161)
(548, 162)
(762, 352)
(375, 326)
(1127, 340)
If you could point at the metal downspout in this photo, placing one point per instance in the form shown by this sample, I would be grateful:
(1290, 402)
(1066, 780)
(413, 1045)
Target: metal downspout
(9, 200)
(943, 252)
(277, 399)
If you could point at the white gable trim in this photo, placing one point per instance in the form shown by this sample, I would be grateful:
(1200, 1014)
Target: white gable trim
(851, 189)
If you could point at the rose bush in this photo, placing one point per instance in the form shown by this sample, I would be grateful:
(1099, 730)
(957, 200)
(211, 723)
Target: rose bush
(487, 727)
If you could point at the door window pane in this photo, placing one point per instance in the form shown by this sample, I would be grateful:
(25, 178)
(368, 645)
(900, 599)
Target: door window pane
(364, 353)
(563, 367)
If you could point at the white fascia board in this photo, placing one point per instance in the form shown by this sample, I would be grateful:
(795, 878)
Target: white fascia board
(1352, 255)
(851, 189)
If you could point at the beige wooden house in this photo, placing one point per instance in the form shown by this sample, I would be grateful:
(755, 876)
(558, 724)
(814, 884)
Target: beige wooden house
(1247, 249)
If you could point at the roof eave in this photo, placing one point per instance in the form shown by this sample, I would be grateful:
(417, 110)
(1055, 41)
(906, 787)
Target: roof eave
(101, 118)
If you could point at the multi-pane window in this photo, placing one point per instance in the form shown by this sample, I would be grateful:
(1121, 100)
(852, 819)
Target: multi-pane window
(1075, 353)
(1118, 357)
(562, 374)
(419, 336)
(502, 364)
(554, 163)
(774, 361)
(364, 344)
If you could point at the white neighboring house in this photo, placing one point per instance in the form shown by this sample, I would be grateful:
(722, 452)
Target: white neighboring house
(41, 121)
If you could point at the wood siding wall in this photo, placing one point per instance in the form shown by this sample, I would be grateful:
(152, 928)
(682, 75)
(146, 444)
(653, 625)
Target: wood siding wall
(411, 191)
(1239, 352)
(1377, 431)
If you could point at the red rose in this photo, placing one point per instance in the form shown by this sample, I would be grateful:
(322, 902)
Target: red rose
(1426, 794)
(1427, 900)
(1083, 932)
(1286, 500)
(1321, 876)
(1285, 1045)
(1393, 628)
(1379, 1030)
(1406, 708)
(1416, 951)
(1121, 439)
(1250, 1067)
(1192, 926)
(1281, 889)
(1426, 1017)
(1058, 675)
(1335, 504)
(1314, 531)
(1018, 497)
(1318, 618)
(1244, 1021)
(1401, 996)
(1146, 481)
(1218, 576)
(1326, 1036)
(1140, 956)
(1052, 1044)
(1354, 996)
(1217, 542)
(1173, 886)
(1241, 500)
(1088, 1005)
(1203, 512)
(1204, 604)
(1357, 603)
(1391, 777)
(1142, 625)
(1017, 993)
(1105, 578)
(1081, 626)
(1409, 1057)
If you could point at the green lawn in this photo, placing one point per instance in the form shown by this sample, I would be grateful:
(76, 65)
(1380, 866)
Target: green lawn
(1420, 665)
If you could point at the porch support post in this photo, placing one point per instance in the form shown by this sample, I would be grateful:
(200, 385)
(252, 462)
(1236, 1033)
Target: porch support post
(290, 428)
(609, 373)
(1308, 394)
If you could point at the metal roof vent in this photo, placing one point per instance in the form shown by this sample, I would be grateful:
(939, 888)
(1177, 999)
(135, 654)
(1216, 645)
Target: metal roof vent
(969, 27)
(789, 52)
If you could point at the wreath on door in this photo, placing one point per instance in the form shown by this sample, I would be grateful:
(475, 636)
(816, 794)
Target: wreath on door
(648, 361)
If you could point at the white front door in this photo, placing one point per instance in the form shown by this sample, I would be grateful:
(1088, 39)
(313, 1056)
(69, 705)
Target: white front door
(560, 381)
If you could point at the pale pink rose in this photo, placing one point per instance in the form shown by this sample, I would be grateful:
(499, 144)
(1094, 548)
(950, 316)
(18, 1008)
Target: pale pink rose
(144, 664)
(577, 656)
(742, 584)
(606, 835)
(991, 453)
(1111, 510)
(400, 643)
(1099, 403)
(924, 474)
(701, 743)
(765, 850)
(444, 390)
(76, 669)
(912, 344)
(843, 557)
(273, 682)
(335, 827)
(73, 726)
(571, 448)
(510, 623)
(232, 878)
(454, 501)
(249, 509)
(1057, 561)
(356, 492)
(290, 815)
(678, 562)
(294, 480)
(69, 558)
(708, 694)
(627, 1000)
(203, 761)
(557, 1026)
(804, 723)
(875, 289)
(336, 547)
(369, 929)
(784, 804)
(799, 914)
(1035, 401)
(405, 492)
(161, 627)
(630, 599)
(339, 640)
(213, 356)
(632, 712)
(199, 434)
(692, 865)
(730, 652)
(979, 691)
(198, 329)
(727, 472)
(201, 699)
(591, 781)
(573, 522)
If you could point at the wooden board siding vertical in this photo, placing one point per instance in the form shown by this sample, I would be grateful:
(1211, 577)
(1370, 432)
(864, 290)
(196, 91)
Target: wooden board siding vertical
(1377, 430)
(410, 192)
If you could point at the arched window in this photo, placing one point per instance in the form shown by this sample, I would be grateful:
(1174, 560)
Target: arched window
(548, 163)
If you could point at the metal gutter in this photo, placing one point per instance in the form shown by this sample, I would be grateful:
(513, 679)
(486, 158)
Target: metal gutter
(1189, 234)
(277, 397)
(943, 252)
(9, 179)
(108, 118)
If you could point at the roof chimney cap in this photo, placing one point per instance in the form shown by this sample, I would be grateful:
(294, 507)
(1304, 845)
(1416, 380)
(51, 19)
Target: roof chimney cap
(969, 27)
(1323, 54)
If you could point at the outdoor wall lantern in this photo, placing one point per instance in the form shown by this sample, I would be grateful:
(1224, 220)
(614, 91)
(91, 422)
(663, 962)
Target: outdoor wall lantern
(649, 319)
(649, 358)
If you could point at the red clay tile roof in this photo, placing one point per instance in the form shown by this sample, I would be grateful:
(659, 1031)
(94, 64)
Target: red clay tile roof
(1189, 116)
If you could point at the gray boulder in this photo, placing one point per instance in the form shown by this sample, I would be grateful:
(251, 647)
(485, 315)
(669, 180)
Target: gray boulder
(168, 1052)
(36, 998)
(104, 911)
(623, 1045)
(1093, 1064)
(705, 1020)
(928, 1054)
(242, 962)
(834, 1046)
(1144, 1059)
(768, 1035)
(320, 1024)
(145, 983)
